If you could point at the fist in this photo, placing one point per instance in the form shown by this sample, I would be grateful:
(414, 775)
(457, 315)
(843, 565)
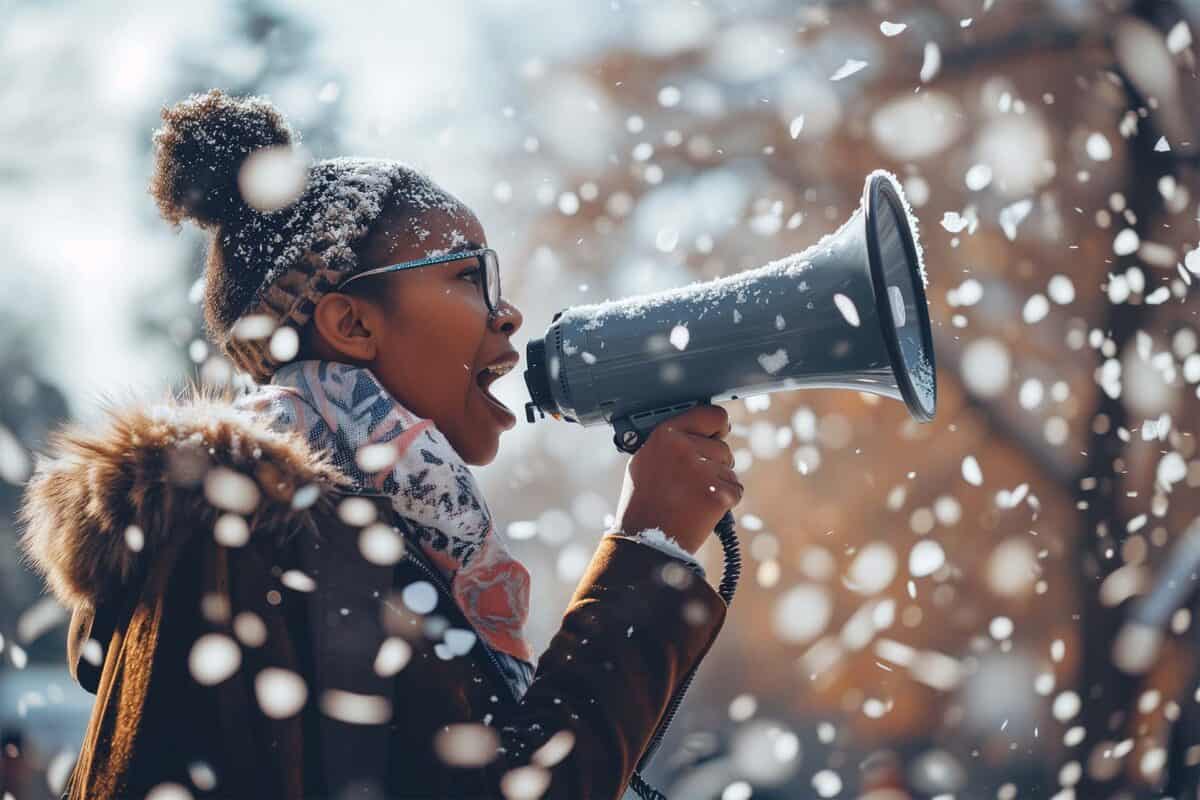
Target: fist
(681, 479)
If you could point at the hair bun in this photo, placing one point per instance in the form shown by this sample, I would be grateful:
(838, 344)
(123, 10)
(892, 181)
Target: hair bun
(200, 149)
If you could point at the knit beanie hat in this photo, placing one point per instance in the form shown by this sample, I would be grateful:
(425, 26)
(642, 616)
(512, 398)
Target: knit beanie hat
(285, 230)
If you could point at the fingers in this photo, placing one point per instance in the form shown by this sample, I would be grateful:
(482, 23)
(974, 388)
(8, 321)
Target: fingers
(728, 490)
(722, 477)
(707, 420)
(727, 475)
(713, 450)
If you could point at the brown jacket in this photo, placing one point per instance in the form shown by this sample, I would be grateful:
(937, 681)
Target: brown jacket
(298, 600)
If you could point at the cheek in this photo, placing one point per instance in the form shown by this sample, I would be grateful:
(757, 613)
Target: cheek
(440, 333)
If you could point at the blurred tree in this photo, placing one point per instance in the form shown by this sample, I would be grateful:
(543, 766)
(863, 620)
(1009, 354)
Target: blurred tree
(30, 407)
(1109, 542)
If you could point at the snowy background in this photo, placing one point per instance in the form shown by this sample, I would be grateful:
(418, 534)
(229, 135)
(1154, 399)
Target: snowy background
(925, 610)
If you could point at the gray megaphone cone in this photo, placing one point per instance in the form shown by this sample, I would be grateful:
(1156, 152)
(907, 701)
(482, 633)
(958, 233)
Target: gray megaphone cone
(847, 313)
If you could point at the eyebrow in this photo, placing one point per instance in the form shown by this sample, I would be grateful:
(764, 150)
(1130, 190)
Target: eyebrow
(466, 247)
(470, 244)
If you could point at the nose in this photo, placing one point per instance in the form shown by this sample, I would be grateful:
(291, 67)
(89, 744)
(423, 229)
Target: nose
(507, 319)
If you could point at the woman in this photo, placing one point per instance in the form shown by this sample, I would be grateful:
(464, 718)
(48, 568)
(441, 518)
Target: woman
(299, 591)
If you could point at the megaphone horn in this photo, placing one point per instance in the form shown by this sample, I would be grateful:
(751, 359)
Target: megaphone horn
(847, 313)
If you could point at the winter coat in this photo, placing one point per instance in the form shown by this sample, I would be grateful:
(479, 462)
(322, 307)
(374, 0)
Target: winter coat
(299, 696)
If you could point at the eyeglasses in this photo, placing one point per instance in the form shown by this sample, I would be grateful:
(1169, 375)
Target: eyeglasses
(489, 268)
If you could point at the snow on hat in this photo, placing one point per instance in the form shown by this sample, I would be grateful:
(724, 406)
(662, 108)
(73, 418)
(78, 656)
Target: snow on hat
(284, 230)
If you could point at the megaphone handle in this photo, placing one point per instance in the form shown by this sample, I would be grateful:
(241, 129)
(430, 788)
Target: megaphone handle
(729, 580)
(631, 432)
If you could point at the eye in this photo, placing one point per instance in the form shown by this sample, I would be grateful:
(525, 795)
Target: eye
(472, 274)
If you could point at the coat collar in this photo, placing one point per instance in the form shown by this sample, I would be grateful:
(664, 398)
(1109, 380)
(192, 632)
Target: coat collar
(102, 500)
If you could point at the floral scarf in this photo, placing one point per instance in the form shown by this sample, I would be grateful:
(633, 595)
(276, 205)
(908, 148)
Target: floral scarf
(343, 408)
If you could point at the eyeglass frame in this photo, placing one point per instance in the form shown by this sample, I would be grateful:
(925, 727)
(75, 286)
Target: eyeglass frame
(481, 255)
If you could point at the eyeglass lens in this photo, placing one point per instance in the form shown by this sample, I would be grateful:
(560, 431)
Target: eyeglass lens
(492, 279)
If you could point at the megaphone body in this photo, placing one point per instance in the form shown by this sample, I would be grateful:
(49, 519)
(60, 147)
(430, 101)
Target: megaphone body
(847, 313)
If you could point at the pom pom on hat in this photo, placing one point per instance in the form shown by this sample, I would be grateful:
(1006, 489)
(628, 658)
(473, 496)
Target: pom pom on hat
(200, 150)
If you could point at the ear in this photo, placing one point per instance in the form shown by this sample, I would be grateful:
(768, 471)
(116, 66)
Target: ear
(348, 327)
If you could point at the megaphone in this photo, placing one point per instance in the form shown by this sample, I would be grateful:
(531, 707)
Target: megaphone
(847, 313)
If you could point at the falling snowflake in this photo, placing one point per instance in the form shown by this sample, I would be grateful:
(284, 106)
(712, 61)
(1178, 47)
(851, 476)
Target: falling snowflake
(1061, 290)
(381, 544)
(231, 530)
(971, 472)
(1126, 242)
(298, 581)
(932, 62)
(954, 222)
(827, 783)
(213, 658)
(420, 597)
(1179, 38)
(846, 306)
(1098, 147)
(394, 654)
(1035, 310)
(847, 69)
(273, 178)
(925, 558)
(556, 748)
(376, 457)
(466, 744)
(1011, 216)
(354, 708)
(135, 538)
(280, 693)
(231, 491)
(978, 177)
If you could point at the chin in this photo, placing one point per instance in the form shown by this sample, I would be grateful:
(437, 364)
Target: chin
(485, 456)
(479, 453)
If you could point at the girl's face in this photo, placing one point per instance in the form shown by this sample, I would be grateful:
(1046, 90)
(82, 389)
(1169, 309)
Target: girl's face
(429, 349)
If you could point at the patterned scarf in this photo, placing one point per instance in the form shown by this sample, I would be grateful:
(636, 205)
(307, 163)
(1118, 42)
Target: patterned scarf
(344, 408)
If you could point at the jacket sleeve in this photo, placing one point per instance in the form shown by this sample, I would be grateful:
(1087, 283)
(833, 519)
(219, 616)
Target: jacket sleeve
(638, 622)
(630, 634)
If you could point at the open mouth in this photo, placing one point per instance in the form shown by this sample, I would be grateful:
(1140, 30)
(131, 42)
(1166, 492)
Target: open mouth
(484, 379)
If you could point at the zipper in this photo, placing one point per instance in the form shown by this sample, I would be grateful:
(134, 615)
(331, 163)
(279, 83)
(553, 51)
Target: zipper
(439, 583)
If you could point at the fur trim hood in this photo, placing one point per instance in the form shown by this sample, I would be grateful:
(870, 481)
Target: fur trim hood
(101, 502)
